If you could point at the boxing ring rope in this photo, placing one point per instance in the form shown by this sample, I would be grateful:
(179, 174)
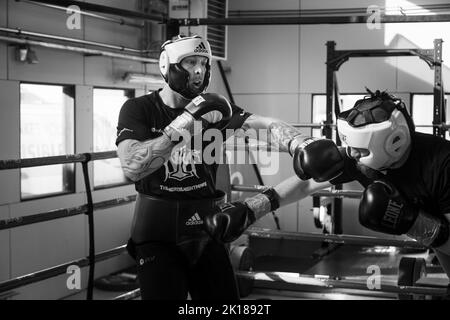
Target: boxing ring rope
(332, 238)
(322, 284)
(59, 269)
(129, 295)
(62, 213)
(87, 209)
(355, 194)
(443, 126)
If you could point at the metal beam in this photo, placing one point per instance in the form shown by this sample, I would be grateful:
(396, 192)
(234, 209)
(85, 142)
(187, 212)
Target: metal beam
(92, 15)
(24, 33)
(438, 90)
(86, 51)
(308, 20)
(105, 9)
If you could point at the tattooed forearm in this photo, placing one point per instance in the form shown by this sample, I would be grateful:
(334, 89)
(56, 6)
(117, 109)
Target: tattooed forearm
(281, 134)
(141, 158)
(276, 133)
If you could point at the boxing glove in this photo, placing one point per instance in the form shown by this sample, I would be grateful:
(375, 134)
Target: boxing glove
(212, 107)
(229, 221)
(319, 159)
(384, 209)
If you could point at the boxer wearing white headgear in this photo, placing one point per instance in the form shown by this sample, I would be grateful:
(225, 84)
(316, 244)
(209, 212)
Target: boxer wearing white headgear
(173, 52)
(380, 127)
(413, 198)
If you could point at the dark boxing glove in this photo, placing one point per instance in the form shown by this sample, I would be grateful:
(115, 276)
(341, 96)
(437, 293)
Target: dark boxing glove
(319, 159)
(353, 171)
(229, 221)
(383, 209)
(322, 160)
(212, 107)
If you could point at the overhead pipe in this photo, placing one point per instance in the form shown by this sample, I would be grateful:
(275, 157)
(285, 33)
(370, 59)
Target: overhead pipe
(249, 21)
(299, 20)
(78, 49)
(88, 14)
(21, 32)
(433, 8)
(105, 9)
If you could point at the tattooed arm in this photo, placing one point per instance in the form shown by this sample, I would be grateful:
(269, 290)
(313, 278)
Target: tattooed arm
(140, 158)
(277, 133)
(228, 221)
(288, 191)
(281, 137)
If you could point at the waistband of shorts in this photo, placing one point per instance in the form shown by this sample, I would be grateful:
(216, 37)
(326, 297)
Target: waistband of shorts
(179, 204)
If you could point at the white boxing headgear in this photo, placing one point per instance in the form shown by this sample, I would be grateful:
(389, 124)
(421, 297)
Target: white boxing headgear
(379, 124)
(173, 51)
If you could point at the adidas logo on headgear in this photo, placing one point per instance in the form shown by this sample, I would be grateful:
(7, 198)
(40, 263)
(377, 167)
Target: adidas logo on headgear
(194, 220)
(201, 48)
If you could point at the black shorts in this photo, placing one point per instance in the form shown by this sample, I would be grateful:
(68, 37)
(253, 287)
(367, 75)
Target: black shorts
(164, 273)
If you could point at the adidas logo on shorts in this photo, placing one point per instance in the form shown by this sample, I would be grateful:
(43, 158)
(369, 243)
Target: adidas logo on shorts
(201, 48)
(194, 220)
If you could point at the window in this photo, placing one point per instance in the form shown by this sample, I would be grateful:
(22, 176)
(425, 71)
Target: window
(422, 112)
(320, 105)
(107, 104)
(349, 100)
(319, 108)
(46, 129)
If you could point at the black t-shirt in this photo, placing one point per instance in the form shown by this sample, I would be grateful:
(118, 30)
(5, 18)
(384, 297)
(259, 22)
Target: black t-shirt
(179, 178)
(424, 179)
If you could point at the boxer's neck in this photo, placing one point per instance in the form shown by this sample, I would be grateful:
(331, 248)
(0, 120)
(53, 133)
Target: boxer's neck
(172, 98)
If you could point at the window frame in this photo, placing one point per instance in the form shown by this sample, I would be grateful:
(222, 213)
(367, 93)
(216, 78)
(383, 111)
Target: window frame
(129, 93)
(70, 175)
(446, 106)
